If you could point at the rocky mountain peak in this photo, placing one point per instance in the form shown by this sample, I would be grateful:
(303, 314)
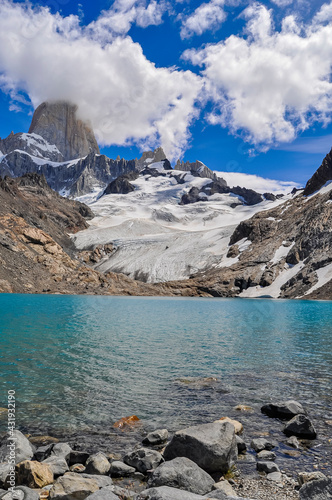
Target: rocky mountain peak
(151, 157)
(320, 177)
(58, 124)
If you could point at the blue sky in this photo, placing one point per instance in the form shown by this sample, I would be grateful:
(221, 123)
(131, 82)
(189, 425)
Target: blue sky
(241, 85)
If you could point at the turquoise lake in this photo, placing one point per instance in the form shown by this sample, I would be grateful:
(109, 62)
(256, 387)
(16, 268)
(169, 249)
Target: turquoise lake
(79, 363)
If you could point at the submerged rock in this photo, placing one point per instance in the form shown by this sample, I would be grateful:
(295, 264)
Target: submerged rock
(211, 446)
(184, 474)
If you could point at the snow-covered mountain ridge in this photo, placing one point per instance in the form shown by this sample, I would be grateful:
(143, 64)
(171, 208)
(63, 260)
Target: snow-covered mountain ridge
(156, 236)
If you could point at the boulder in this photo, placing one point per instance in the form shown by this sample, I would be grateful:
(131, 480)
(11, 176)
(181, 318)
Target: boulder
(267, 467)
(21, 493)
(306, 477)
(104, 494)
(300, 426)
(143, 459)
(97, 464)
(120, 469)
(237, 425)
(58, 465)
(102, 481)
(61, 450)
(34, 474)
(73, 486)
(167, 493)
(184, 474)
(317, 490)
(285, 410)
(211, 446)
(24, 450)
(158, 436)
(260, 444)
(266, 455)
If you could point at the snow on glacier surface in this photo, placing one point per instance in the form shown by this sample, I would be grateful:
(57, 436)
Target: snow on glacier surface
(157, 239)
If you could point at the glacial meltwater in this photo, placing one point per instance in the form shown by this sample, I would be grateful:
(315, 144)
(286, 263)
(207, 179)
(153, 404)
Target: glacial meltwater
(79, 363)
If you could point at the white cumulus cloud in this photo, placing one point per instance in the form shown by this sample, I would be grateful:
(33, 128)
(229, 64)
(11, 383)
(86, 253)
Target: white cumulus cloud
(125, 97)
(269, 84)
(207, 16)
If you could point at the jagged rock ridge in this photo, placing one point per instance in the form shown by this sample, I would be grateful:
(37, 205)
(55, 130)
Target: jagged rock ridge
(58, 124)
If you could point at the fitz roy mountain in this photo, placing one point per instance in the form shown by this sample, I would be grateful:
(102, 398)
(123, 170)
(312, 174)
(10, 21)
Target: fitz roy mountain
(75, 221)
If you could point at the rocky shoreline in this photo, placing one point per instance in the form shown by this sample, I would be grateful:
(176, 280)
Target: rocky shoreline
(203, 461)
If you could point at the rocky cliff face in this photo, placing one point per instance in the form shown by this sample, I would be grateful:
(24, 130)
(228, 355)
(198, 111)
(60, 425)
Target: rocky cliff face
(58, 124)
(321, 176)
(36, 252)
(285, 252)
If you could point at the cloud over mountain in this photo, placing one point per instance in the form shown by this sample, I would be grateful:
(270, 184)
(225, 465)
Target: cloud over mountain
(124, 95)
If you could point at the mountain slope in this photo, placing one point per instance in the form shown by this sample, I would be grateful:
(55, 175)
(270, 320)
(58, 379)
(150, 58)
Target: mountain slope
(36, 252)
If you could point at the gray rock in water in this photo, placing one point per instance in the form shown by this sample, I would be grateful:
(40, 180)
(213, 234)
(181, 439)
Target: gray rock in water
(267, 467)
(104, 494)
(158, 436)
(58, 124)
(260, 444)
(73, 486)
(24, 450)
(300, 426)
(97, 464)
(119, 469)
(317, 490)
(211, 446)
(184, 474)
(58, 465)
(266, 455)
(143, 459)
(285, 410)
